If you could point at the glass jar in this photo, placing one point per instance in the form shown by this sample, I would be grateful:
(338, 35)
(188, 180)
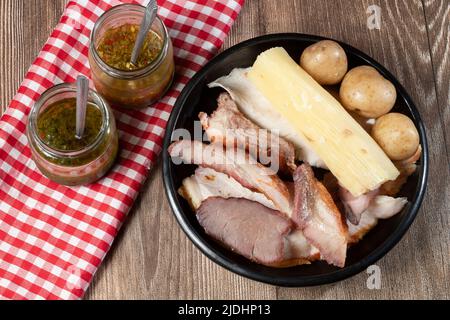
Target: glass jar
(73, 167)
(136, 88)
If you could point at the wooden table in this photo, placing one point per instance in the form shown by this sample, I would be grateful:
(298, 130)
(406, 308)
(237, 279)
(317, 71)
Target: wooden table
(152, 258)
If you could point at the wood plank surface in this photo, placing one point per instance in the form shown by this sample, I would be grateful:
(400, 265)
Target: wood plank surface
(437, 18)
(153, 259)
(24, 27)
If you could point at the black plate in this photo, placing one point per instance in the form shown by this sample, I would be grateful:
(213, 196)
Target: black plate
(197, 97)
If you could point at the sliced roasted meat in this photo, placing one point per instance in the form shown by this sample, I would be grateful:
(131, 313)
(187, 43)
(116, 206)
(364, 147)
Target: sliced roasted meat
(384, 207)
(381, 207)
(207, 182)
(237, 164)
(318, 217)
(246, 227)
(377, 207)
(355, 206)
(357, 232)
(227, 125)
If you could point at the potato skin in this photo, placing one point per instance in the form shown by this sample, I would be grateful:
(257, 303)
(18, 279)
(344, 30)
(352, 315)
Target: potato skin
(325, 61)
(365, 91)
(396, 135)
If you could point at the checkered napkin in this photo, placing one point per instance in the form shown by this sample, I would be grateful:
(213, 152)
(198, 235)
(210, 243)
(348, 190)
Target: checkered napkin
(52, 237)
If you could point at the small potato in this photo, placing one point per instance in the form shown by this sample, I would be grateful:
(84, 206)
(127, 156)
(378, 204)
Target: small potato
(396, 135)
(365, 123)
(325, 61)
(365, 91)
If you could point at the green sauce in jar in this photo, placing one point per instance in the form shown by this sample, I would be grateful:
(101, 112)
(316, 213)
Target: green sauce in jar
(116, 46)
(51, 134)
(57, 125)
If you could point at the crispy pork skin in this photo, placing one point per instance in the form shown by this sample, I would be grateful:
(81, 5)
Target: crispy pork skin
(318, 217)
(237, 164)
(246, 227)
(227, 125)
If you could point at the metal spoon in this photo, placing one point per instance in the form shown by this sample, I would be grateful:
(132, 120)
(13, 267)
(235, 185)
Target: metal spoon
(82, 98)
(147, 21)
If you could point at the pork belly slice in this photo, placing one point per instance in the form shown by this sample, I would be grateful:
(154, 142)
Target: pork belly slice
(206, 182)
(318, 217)
(357, 232)
(381, 207)
(377, 207)
(246, 227)
(385, 207)
(355, 206)
(227, 125)
(237, 164)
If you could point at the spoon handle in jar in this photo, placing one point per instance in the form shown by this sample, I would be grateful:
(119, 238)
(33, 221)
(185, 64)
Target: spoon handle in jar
(147, 21)
(82, 97)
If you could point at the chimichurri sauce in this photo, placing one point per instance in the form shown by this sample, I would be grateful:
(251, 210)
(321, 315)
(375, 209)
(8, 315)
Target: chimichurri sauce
(117, 44)
(56, 125)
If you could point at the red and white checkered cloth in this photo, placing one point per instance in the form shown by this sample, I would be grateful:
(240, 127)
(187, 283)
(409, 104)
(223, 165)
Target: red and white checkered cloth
(52, 237)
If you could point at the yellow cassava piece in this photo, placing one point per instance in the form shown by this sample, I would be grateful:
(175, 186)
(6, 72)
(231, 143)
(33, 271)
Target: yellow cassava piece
(347, 149)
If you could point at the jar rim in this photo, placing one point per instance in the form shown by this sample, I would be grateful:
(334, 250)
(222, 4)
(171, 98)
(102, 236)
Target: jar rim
(61, 88)
(127, 74)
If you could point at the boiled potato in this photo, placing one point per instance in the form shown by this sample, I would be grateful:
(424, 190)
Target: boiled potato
(365, 123)
(325, 61)
(396, 135)
(365, 91)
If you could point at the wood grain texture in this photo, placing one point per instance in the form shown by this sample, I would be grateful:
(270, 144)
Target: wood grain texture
(153, 259)
(437, 19)
(24, 28)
